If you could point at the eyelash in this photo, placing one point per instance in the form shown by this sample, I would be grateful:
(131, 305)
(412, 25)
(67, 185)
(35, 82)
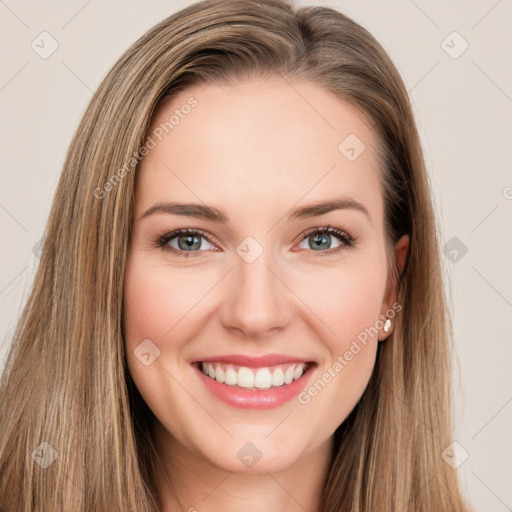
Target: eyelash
(348, 241)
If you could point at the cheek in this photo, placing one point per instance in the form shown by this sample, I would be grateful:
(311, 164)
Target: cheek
(163, 305)
(346, 300)
(149, 303)
(346, 311)
(154, 302)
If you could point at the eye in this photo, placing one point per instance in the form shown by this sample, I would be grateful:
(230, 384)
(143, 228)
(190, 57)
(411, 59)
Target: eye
(319, 239)
(189, 242)
(184, 242)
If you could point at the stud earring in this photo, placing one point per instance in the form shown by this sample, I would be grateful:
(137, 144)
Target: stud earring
(387, 325)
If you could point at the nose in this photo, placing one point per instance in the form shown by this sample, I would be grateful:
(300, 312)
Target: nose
(258, 301)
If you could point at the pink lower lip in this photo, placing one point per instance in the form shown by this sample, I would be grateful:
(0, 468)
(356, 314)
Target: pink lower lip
(255, 399)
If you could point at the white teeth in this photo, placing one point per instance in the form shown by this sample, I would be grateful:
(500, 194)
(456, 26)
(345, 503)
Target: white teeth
(245, 377)
(262, 378)
(219, 375)
(231, 378)
(298, 372)
(278, 377)
(288, 375)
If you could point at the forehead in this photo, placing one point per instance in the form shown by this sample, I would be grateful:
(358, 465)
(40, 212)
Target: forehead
(259, 145)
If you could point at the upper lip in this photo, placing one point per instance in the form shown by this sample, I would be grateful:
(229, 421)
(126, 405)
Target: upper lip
(254, 362)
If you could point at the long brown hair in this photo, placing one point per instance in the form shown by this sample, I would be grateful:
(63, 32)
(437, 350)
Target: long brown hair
(66, 381)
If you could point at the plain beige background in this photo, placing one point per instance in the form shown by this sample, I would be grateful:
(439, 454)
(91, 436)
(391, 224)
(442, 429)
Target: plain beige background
(463, 101)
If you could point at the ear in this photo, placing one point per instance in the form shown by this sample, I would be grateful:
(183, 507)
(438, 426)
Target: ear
(401, 252)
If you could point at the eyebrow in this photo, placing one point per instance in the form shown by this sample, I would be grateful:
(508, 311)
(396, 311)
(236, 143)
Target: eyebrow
(203, 211)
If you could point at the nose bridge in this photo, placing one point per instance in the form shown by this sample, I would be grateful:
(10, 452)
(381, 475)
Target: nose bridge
(258, 299)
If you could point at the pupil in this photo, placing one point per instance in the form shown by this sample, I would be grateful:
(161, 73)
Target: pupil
(319, 238)
(191, 242)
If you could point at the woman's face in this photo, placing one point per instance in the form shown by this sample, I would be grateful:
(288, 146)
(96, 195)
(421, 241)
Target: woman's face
(258, 282)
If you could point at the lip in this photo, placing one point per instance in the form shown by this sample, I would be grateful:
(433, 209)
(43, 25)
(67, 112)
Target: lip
(253, 362)
(255, 399)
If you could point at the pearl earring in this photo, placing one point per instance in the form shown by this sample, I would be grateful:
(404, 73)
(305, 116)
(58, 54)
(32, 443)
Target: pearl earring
(387, 325)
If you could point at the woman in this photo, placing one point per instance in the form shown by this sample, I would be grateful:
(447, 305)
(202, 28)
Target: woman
(297, 356)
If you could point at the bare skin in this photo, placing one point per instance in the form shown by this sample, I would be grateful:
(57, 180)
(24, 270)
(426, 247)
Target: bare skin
(255, 151)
